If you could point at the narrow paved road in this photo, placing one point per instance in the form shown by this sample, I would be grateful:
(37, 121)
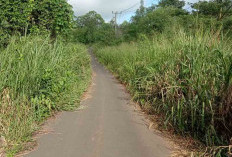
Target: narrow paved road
(105, 126)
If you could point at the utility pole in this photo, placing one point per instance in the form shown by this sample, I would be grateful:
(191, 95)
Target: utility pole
(142, 3)
(115, 20)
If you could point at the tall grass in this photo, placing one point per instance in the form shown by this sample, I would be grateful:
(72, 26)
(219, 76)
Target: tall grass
(37, 78)
(184, 77)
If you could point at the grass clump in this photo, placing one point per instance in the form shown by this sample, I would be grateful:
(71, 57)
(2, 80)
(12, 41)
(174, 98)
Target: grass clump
(37, 78)
(185, 77)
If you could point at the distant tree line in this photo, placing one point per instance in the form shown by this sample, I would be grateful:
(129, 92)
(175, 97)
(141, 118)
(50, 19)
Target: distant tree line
(91, 28)
(213, 14)
(19, 17)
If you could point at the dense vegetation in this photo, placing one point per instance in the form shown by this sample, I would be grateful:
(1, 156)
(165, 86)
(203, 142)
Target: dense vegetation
(91, 28)
(175, 62)
(185, 78)
(19, 17)
(42, 69)
(179, 64)
(212, 15)
(38, 78)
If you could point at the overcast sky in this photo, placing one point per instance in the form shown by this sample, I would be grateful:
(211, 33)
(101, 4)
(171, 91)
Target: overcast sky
(105, 7)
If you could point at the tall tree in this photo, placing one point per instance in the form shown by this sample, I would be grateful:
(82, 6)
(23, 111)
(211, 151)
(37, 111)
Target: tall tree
(172, 3)
(53, 15)
(14, 15)
(88, 25)
(22, 15)
(214, 8)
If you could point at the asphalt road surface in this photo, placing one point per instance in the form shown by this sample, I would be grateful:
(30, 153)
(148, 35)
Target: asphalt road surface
(106, 125)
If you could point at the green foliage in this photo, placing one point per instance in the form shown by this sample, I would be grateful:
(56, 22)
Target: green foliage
(38, 78)
(34, 16)
(91, 28)
(87, 27)
(214, 8)
(171, 3)
(185, 77)
(15, 15)
(157, 20)
(129, 31)
(54, 16)
(106, 35)
(161, 18)
(227, 23)
(91, 19)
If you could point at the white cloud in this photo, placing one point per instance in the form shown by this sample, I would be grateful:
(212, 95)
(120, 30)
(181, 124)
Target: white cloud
(103, 7)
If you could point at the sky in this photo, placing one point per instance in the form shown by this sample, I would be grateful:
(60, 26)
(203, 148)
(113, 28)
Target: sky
(105, 7)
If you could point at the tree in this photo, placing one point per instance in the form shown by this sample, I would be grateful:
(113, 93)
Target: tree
(88, 25)
(171, 3)
(215, 8)
(129, 30)
(106, 34)
(24, 16)
(14, 15)
(91, 19)
(151, 8)
(52, 15)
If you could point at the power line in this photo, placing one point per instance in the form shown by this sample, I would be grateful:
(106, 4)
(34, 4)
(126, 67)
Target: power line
(128, 10)
(115, 20)
(123, 11)
(131, 7)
